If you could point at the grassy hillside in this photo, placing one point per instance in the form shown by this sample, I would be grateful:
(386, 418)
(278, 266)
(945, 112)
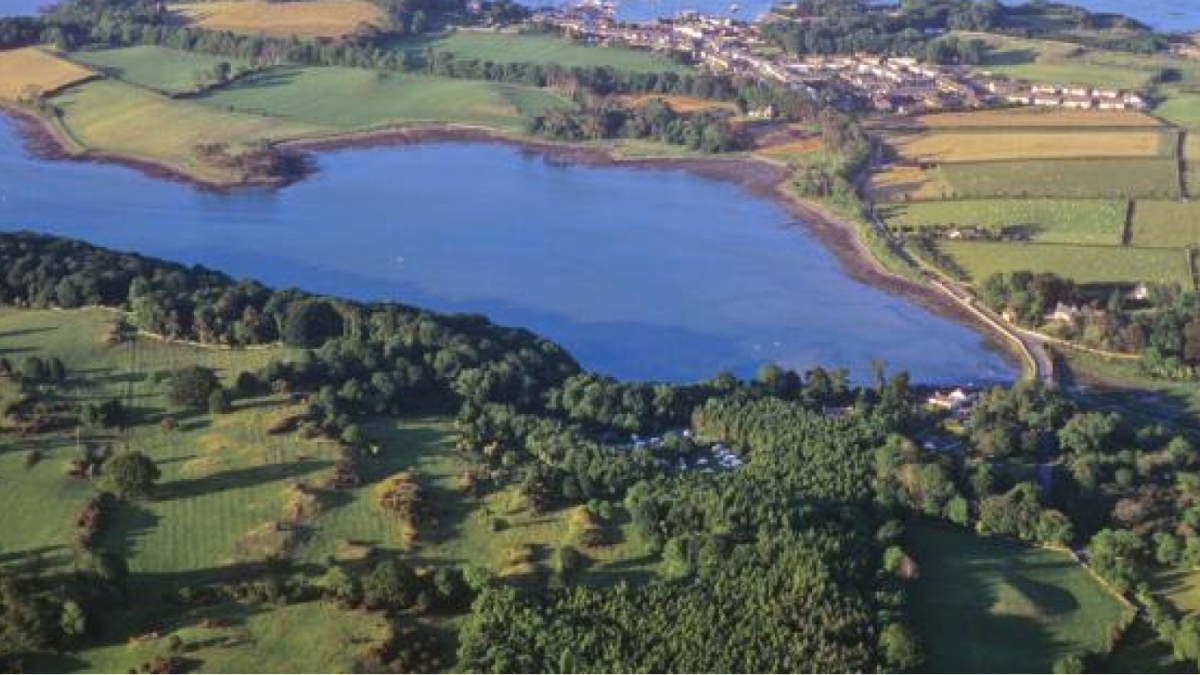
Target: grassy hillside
(319, 96)
(517, 48)
(990, 605)
(111, 116)
(1064, 63)
(170, 71)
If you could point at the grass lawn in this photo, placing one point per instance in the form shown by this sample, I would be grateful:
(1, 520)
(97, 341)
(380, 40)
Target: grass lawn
(110, 116)
(1065, 178)
(319, 96)
(1002, 144)
(991, 605)
(1084, 264)
(1166, 224)
(517, 48)
(308, 19)
(310, 637)
(1050, 221)
(171, 71)
(34, 69)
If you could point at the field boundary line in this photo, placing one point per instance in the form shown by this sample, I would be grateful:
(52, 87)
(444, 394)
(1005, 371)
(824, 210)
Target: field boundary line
(1127, 229)
(1181, 163)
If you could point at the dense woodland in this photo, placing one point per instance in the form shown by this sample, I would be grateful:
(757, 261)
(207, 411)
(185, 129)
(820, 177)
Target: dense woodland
(918, 29)
(710, 132)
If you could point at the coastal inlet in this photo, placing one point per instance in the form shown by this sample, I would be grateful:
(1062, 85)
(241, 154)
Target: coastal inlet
(641, 273)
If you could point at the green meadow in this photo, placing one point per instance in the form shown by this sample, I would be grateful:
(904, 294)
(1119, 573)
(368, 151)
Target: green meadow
(318, 96)
(1084, 264)
(1050, 221)
(991, 605)
(170, 71)
(528, 48)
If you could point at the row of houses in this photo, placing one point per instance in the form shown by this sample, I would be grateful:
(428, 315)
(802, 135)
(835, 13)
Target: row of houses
(884, 84)
(1058, 96)
(727, 46)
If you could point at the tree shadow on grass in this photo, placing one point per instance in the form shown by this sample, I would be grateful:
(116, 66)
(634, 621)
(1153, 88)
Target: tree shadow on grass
(45, 556)
(131, 523)
(238, 478)
(1011, 57)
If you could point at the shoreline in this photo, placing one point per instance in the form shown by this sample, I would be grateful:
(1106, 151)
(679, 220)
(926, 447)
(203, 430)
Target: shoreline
(757, 176)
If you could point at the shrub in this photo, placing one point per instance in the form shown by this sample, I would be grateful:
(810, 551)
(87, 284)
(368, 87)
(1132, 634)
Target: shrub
(131, 475)
(191, 387)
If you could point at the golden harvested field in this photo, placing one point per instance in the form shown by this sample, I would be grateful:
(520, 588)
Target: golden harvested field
(308, 19)
(903, 183)
(31, 68)
(1038, 117)
(1012, 145)
(791, 151)
(680, 104)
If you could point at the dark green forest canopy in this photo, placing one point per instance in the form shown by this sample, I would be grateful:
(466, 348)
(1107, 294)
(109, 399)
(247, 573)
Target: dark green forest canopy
(771, 567)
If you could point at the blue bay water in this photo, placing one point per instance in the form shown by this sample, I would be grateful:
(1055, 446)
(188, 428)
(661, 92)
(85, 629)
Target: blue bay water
(1168, 15)
(647, 274)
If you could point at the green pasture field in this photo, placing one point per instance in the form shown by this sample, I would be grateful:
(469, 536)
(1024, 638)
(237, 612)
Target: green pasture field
(1182, 108)
(992, 605)
(521, 48)
(319, 96)
(1050, 221)
(1065, 178)
(1065, 63)
(1084, 264)
(170, 71)
(111, 116)
(1166, 224)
